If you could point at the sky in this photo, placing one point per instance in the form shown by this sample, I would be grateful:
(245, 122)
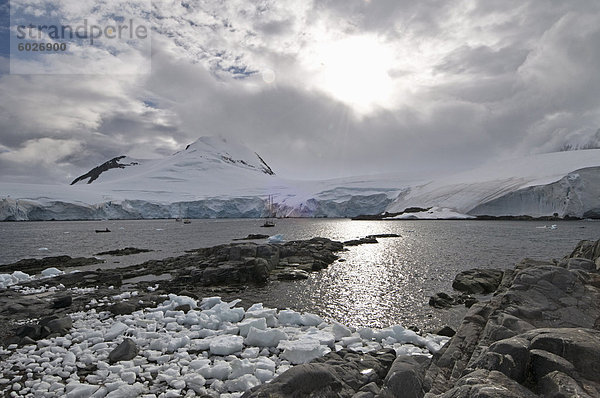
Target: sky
(320, 89)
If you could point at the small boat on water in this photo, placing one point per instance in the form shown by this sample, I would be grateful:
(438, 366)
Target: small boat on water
(187, 221)
(99, 231)
(268, 223)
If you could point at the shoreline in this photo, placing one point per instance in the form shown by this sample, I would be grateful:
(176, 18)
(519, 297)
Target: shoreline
(536, 299)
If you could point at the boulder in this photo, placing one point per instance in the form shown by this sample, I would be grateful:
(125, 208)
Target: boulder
(125, 351)
(337, 374)
(62, 302)
(478, 281)
(404, 379)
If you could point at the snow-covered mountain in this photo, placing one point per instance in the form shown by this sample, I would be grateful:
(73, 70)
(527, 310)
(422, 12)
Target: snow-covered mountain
(566, 183)
(214, 177)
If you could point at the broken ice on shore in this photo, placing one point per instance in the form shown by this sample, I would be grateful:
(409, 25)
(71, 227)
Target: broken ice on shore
(184, 347)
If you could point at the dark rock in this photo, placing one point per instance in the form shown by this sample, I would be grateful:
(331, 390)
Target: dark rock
(187, 293)
(370, 390)
(442, 300)
(337, 374)
(361, 241)
(27, 340)
(184, 308)
(384, 236)
(478, 281)
(125, 351)
(36, 265)
(122, 308)
(60, 326)
(446, 331)
(487, 384)
(559, 385)
(32, 331)
(123, 252)
(62, 302)
(544, 362)
(254, 237)
(404, 379)
(580, 264)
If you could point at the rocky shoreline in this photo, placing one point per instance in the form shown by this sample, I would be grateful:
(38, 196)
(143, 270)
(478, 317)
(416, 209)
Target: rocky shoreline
(537, 335)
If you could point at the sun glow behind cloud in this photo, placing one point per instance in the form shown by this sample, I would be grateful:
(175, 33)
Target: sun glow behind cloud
(354, 70)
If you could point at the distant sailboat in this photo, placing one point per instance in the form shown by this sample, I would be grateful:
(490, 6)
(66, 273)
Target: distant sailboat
(268, 223)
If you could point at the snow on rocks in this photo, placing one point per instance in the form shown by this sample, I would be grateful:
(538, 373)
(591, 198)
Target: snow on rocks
(212, 348)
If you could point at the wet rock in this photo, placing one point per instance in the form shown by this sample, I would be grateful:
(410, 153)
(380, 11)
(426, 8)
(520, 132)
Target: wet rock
(361, 241)
(122, 308)
(125, 351)
(60, 326)
(337, 374)
(404, 379)
(184, 308)
(62, 302)
(487, 384)
(123, 252)
(443, 300)
(254, 237)
(446, 331)
(559, 385)
(478, 281)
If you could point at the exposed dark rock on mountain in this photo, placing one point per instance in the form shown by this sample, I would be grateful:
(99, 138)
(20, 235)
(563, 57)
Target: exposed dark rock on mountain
(94, 173)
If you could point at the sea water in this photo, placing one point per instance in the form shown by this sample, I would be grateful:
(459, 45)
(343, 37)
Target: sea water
(377, 285)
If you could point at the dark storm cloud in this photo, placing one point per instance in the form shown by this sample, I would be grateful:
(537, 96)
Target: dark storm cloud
(492, 78)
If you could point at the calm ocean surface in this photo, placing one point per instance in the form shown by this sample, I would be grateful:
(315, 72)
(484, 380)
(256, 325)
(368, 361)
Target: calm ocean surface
(378, 284)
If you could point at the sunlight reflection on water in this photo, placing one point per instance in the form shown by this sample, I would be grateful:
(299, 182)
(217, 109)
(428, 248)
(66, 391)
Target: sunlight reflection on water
(377, 285)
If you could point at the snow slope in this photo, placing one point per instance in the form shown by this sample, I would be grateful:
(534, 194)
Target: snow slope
(502, 185)
(216, 178)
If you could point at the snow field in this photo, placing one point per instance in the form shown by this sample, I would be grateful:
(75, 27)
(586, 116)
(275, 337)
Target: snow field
(215, 348)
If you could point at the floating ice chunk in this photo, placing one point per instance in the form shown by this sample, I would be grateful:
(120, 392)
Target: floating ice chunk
(265, 338)
(82, 391)
(127, 391)
(265, 363)
(258, 323)
(198, 363)
(257, 311)
(340, 331)
(221, 370)
(250, 352)
(243, 383)
(195, 382)
(12, 279)
(227, 344)
(275, 239)
(289, 317)
(324, 338)
(264, 375)
(50, 272)
(115, 330)
(177, 343)
(366, 333)
(302, 351)
(209, 302)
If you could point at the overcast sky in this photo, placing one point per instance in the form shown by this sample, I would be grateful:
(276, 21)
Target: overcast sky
(321, 88)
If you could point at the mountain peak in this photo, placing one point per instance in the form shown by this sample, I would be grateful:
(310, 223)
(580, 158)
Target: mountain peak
(206, 155)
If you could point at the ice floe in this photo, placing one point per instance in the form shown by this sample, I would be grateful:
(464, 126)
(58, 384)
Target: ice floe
(213, 348)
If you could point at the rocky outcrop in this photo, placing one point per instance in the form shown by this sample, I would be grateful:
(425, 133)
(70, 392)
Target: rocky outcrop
(338, 374)
(36, 265)
(478, 281)
(537, 336)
